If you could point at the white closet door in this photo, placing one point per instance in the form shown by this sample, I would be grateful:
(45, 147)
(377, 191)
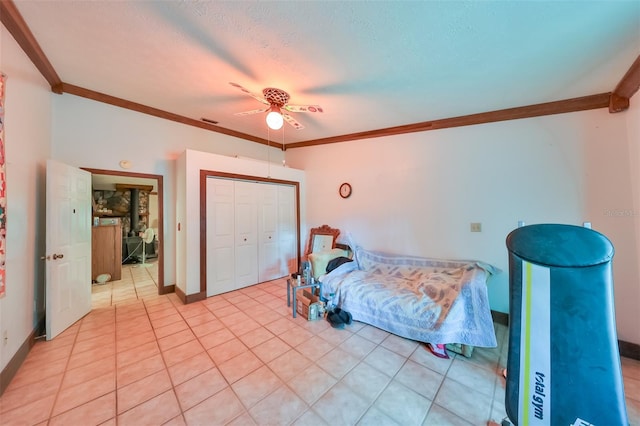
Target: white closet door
(220, 236)
(287, 220)
(251, 233)
(246, 235)
(269, 253)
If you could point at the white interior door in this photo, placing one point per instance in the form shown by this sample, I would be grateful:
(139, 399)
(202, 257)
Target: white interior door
(269, 267)
(220, 236)
(246, 231)
(68, 246)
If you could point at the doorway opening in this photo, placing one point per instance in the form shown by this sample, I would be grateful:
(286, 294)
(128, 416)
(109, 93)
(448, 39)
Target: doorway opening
(143, 216)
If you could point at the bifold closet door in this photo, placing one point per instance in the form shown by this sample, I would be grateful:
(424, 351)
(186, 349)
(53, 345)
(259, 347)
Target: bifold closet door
(232, 240)
(288, 231)
(277, 232)
(269, 252)
(251, 233)
(221, 275)
(246, 233)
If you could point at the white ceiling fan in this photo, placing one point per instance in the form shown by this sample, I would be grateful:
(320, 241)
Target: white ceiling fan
(277, 101)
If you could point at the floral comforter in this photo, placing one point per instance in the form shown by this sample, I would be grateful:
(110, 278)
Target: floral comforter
(428, 300)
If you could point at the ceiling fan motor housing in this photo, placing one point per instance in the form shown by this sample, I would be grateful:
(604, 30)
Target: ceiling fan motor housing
(275, 96)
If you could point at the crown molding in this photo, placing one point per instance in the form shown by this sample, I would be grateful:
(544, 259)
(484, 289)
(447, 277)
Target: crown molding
(15, 24)
(548, 108)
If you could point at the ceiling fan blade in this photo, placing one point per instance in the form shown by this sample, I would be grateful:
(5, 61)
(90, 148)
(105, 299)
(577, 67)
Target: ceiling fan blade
(292, 122)
(255, 96)
(253, 111)
(303, 108)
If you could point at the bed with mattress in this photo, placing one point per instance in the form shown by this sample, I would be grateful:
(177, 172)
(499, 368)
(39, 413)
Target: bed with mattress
(423, 299)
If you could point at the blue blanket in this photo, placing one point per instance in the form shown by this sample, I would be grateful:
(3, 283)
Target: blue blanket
(423, 299)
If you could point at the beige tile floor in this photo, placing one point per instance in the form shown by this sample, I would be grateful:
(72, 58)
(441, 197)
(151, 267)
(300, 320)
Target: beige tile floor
(241, 359)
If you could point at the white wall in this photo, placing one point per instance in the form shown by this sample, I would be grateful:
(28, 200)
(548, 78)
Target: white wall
(609, 201)
(95, 135)
(628, 296)
(418, 193)
(27, 146)
(189, 165)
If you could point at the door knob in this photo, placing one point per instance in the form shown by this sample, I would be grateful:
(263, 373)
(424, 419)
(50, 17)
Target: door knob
(57, 256)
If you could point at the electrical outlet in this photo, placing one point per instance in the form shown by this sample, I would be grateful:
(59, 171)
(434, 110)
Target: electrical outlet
(476, 227)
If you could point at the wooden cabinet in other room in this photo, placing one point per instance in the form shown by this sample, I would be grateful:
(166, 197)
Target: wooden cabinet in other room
(106, 251)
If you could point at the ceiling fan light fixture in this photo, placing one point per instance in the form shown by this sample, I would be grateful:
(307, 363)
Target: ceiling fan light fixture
(274, 118)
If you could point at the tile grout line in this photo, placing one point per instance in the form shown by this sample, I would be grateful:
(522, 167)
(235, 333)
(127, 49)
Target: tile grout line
(117, 415)
(164, 361)
(182, 411)
(274, 291)
(309, 406)
(64, 373)
(230, 385)
(360, 361)
(265, 364)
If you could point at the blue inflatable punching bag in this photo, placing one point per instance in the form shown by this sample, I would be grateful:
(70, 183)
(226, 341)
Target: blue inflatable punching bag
(563, 366)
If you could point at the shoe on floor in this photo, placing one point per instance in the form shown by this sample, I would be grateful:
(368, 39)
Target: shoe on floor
(335, 320)
(438, 350)
(344, 315)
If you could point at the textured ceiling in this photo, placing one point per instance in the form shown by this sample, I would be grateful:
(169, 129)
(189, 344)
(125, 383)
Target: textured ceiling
(369, 65)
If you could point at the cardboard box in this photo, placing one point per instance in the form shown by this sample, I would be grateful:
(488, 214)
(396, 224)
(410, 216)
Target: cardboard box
(309, 305)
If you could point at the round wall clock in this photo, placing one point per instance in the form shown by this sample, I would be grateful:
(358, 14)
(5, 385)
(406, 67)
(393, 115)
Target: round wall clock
(345, 190)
